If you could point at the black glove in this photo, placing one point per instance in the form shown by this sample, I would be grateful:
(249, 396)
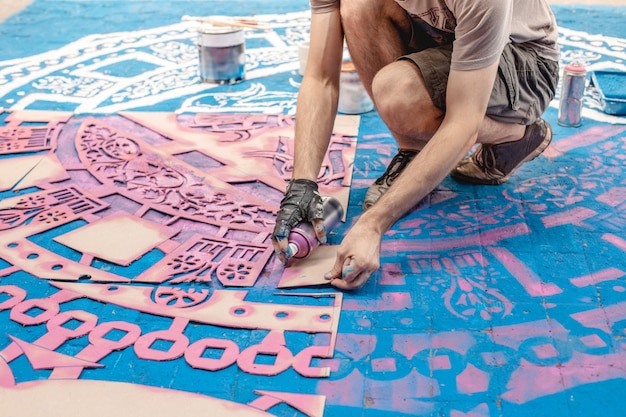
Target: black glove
(301, 202)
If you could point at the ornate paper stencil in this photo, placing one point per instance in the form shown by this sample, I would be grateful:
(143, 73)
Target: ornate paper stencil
(159, 215)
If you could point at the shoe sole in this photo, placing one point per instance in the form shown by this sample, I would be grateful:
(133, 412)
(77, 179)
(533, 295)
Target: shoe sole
(497, 181)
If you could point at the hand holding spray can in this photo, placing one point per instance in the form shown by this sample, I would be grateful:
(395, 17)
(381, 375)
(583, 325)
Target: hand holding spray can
(302, 239)
(572, 92)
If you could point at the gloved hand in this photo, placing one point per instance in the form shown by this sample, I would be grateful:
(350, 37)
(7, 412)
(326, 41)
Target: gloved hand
(302, 201)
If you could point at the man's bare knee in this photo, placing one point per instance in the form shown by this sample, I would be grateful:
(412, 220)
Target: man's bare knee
(403, 101)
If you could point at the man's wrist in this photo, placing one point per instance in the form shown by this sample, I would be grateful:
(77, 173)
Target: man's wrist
(378, 222)
(304, 181)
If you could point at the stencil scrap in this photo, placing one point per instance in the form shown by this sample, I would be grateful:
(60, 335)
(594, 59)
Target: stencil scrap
(119, 238)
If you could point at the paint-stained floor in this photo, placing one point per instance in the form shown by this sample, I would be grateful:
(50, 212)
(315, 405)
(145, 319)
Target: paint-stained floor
(137, 276)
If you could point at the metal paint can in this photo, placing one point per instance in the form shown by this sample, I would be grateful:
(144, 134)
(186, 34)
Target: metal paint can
(221, 53)
(572, 93)
(353, 98)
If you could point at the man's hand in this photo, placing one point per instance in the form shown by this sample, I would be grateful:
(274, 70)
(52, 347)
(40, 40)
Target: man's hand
(358, 258)
(302, 201)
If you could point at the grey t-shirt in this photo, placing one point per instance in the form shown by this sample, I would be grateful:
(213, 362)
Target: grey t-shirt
(479, 29)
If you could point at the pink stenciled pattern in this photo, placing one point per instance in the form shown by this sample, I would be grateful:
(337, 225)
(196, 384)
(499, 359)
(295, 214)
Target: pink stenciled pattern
(458, 217)
(47, 207)
(17, 137)
(135, 169)
(597, 180)
(465, 289)
(199, 258)
(469, 297)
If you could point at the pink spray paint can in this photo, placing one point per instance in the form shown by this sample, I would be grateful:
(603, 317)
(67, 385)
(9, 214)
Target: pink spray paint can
(302, 239)
(572, 92)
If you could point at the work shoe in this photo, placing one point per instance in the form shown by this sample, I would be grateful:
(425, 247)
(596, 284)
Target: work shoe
(494, 164)
(382, 184)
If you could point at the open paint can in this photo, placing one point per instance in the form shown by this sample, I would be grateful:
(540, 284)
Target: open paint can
(222, 54)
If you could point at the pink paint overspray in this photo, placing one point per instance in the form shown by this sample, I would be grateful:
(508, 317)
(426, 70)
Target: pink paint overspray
(302, 239)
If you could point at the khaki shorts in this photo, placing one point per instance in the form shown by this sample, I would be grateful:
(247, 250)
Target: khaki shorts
(523, 89)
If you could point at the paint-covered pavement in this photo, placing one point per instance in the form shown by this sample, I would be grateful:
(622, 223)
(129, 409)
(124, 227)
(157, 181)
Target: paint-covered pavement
(137, 277)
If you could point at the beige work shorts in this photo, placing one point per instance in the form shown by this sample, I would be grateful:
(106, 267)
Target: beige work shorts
(522, 91)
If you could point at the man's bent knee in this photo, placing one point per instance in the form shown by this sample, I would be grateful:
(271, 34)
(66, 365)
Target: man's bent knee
(402, 99)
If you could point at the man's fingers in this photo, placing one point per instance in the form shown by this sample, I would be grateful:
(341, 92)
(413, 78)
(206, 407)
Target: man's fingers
(320, 230)
(355, 284)
(353, 270)
(336, 272)
(287, 218)
(333, 274)
(352, 275)
(281, 249)
(347, 270)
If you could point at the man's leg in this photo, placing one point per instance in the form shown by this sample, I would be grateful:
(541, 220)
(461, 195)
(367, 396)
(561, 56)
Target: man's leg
(411, 102)
(377, 32)
(400, 90)
(493, 163)
(405, 104)
(533, 81)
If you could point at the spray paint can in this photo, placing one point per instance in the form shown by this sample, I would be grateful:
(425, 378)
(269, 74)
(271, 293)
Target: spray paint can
(302, 239)
(572, 92)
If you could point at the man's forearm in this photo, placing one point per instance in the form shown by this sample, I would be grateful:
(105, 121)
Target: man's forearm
(317, 106)
(429, 168)
(466, 103)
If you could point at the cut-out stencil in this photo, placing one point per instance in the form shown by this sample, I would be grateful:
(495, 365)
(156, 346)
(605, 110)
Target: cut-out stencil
(310, 271)
(41, 135)
(119, 238)
(13, 170)
(171, 173)
(159, 215)
(47, 169)
(29, 171)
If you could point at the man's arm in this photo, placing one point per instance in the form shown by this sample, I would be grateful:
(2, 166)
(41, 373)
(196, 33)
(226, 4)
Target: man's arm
(315, 117)
(467, 97)
(318, 95)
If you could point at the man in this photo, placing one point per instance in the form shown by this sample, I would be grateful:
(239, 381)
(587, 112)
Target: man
(444, 75)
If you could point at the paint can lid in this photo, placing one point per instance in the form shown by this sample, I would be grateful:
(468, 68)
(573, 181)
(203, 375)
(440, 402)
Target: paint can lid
(220, 37)
(210, 29)
(347, 66)
(575, 68)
